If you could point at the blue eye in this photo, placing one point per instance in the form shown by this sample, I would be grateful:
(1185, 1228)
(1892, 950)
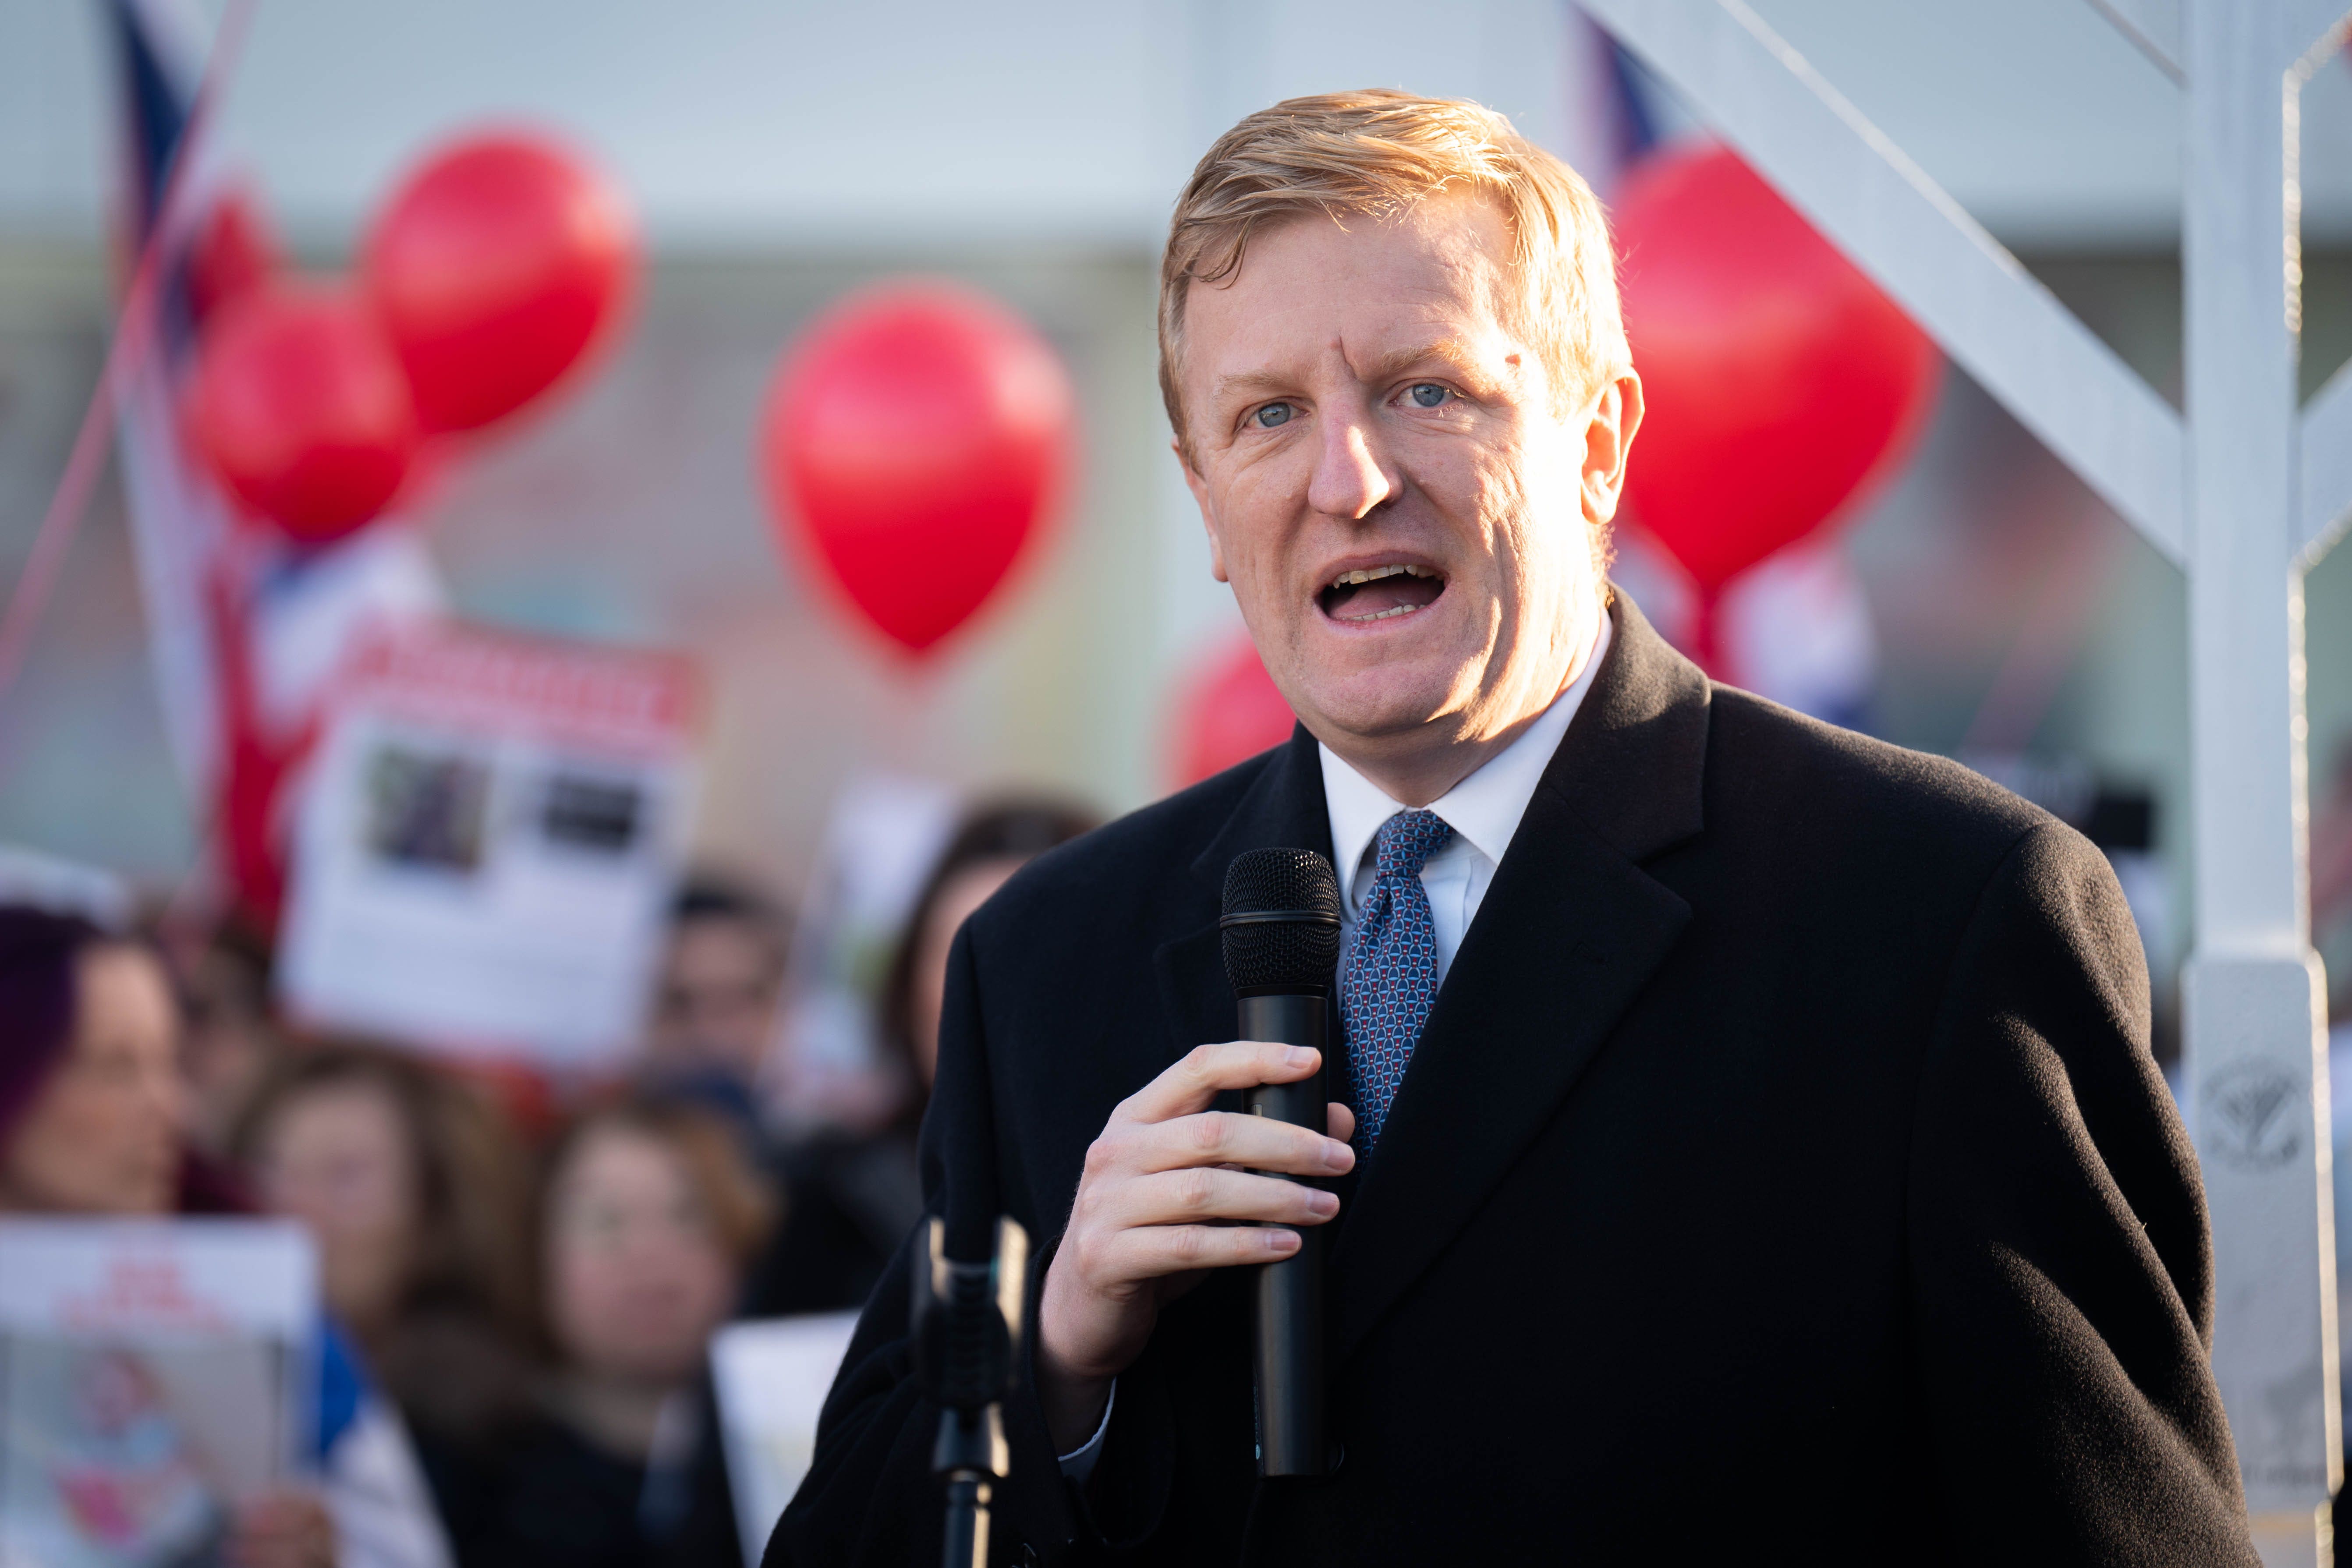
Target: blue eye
(1271, 415)
(1428, 394)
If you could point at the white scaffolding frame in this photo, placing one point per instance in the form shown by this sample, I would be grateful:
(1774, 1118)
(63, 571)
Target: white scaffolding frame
(2245, 492)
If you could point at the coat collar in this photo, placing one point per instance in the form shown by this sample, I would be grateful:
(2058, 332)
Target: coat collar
(1632, 764)
(1567, 935)
(1285, 809)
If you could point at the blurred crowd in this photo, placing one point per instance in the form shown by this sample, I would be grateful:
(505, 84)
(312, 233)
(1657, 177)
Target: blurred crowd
(521, 1277)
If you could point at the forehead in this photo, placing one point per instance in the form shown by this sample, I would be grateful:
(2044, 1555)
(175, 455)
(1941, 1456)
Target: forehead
(121, 988)
(342, 1102)
(1441, 267)
(617, 1155)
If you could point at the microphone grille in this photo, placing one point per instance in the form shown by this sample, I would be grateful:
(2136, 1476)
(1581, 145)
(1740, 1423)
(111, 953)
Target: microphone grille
(1283, 954)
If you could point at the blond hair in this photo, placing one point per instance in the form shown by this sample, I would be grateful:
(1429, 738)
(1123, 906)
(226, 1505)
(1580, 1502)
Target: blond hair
(1380, 151)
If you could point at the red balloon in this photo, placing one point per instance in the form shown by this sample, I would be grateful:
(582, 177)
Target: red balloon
(232, 252)
(299, 404)
(1781, 385)
(914, 438)
(496, 267)
(1230, 713)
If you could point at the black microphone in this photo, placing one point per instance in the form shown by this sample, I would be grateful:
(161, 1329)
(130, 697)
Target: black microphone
(966, 1332)
(1282, 947)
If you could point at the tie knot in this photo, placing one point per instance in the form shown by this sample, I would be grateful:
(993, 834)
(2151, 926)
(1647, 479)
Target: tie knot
(1407, 840)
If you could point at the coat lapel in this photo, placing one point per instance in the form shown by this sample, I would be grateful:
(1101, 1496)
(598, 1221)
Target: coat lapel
(1284, 809)
(1569, 932)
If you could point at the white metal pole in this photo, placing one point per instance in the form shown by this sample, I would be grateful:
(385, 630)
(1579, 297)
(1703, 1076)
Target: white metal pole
(2253, 1003)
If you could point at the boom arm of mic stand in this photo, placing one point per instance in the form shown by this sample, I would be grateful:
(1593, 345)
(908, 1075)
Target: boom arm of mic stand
(968, 1323)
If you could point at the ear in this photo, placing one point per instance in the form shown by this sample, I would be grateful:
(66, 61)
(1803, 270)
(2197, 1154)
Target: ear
(1199, 489)
(1608, 437)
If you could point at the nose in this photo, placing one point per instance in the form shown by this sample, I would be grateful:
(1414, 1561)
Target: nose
(1349, 479)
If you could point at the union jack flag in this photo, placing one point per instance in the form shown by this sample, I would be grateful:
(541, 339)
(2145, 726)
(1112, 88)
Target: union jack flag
(247, 631)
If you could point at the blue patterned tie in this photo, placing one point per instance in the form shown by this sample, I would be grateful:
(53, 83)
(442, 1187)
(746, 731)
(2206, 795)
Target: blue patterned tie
(1390, 976)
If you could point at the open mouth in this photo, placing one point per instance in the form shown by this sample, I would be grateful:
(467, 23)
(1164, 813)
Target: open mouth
(1383, 593)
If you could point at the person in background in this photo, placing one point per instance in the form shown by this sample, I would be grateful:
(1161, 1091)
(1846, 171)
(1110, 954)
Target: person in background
(230, 1041)
(93, 1114)
(715, 1009)
(854, 1200)
(649, 1213)
(992, 843)
(413, 1188)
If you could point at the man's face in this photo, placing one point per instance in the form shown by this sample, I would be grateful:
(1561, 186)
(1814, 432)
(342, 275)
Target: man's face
(720, 988)
(1405, 518)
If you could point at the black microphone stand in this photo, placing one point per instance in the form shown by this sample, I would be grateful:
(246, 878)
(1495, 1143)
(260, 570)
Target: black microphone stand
(966, 1344)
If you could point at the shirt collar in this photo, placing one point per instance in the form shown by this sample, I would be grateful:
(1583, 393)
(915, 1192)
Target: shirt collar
(1483, 809)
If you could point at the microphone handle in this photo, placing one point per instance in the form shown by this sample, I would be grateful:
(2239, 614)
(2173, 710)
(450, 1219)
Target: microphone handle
(1291, 1440)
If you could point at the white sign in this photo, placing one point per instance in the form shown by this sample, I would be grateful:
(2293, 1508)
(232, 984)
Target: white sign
(884, 833)
(489, 843)
(771, 1378)
(153, 1375)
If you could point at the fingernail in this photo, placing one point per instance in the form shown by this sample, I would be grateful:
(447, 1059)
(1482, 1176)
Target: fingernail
(1323, 1204)
(1280, 1240)
(1338, 1156)
(1299, 1057)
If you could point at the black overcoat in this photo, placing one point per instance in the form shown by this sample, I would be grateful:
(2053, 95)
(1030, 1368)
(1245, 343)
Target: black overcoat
(1782, 1176)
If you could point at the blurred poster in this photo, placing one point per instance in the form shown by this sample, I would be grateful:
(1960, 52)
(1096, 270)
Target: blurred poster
(771, 1377)
(488, 843)
(152, 1375)
(885, 832)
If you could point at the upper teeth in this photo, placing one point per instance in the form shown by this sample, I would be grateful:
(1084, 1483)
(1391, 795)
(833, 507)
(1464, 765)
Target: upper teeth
(1374, 574)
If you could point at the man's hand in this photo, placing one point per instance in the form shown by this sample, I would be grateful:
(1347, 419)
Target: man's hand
(1161, 1188)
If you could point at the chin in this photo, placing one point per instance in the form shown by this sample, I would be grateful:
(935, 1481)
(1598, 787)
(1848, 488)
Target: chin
(1392, 699)
(148, 1199)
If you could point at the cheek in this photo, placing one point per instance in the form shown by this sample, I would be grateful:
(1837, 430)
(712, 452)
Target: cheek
(1254, 512)
(710, 1286)
(376, 1203)
(73, 1116)
(583, 1285)
(1535, 520)
(300, 1200)
(98, 1129)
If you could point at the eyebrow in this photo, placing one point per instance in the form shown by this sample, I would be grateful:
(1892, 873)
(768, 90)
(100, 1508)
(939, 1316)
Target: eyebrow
(1447, 351)
(1249, 384)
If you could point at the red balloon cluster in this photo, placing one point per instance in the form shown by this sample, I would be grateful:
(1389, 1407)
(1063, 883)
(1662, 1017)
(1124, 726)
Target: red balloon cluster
(495, 269)
(913, 441)
(1781, 385)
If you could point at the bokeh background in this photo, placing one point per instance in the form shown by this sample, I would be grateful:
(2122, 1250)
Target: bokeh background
(782, 154)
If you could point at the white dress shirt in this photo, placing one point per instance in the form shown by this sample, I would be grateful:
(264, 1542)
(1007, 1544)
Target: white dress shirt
(1484, 810)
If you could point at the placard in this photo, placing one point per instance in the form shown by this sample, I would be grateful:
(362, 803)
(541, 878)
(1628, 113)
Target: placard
(489, 843)
(884, 834)
(771, 1377)
(154, 1373)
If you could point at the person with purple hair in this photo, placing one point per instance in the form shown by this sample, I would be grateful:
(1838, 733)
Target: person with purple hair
(93, 1114)
(92, 1101)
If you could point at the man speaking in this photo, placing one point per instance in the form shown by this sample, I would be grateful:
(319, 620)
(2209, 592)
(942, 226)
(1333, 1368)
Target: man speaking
(1751, 1149)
